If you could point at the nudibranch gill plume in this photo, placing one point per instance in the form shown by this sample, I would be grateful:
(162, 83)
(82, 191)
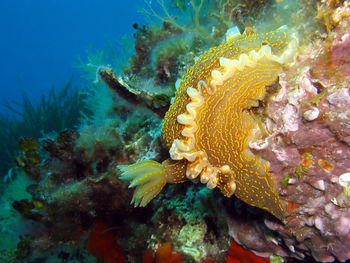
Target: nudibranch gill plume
(208, 126)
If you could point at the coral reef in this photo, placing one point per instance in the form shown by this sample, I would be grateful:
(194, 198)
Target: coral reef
(260, 115)
(72, 176)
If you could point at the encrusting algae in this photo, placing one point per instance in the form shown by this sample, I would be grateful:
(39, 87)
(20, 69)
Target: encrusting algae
(208, 126)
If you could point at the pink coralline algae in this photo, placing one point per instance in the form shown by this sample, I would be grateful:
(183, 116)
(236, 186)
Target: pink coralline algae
(308, 148)
(341, 54)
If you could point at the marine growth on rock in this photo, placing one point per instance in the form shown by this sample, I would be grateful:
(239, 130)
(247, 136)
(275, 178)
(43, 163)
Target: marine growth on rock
(210, 122)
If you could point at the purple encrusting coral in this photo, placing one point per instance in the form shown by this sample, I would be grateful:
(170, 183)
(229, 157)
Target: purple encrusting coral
(70, 181)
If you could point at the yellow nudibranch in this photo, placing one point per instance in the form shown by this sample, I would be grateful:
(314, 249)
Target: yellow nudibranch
(208, 126)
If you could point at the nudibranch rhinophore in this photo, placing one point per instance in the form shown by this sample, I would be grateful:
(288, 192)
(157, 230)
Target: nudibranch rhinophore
(208, 126)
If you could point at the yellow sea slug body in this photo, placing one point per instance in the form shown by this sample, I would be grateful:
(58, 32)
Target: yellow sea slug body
(208, 126)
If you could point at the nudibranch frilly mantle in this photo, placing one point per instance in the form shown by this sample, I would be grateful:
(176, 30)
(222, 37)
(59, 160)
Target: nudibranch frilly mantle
(208, 126)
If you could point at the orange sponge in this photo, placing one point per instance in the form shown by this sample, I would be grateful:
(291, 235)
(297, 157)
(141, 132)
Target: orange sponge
(238, 254)
(102, 245)
(164, 254)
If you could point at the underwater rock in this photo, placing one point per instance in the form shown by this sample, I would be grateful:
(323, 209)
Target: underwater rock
(194, 231)
(281, 144)
(158, 103)
(30, 159)
(111, 80)
(316, 209)
(25, 207)
(341, 54)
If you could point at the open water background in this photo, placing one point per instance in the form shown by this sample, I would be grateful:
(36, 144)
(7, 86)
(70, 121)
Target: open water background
(40, 40)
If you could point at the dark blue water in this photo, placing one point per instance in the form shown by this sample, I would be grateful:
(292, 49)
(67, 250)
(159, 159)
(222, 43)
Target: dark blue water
(40, 40)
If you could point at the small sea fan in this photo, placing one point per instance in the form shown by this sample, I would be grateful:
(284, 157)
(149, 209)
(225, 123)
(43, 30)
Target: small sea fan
(148, 176)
